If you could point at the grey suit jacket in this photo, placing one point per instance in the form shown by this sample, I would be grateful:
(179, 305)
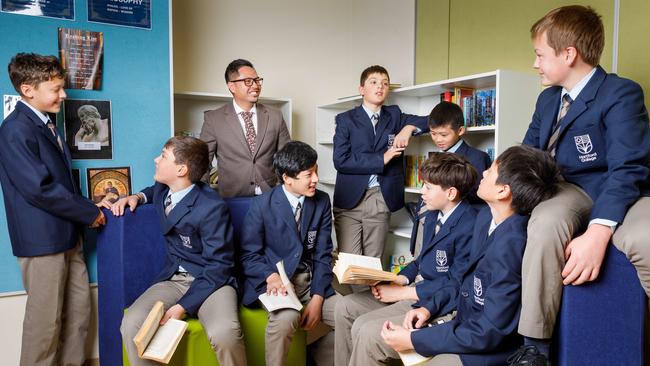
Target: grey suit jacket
(239, 170)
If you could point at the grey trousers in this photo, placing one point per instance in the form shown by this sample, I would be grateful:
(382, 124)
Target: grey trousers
(552, 225)
(283, 323)
(57, 312)
(218, 315)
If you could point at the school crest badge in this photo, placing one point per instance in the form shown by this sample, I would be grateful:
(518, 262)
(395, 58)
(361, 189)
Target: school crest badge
(187, 242)
(441, 257)
(311, 238)
(583, 144)
(478, 287)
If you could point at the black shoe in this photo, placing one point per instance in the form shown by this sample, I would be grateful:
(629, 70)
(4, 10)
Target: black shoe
(528, 356)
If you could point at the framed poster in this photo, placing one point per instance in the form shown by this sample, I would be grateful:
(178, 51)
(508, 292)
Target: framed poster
(62, 9)
(88, 128)
(9, 103)
(109, 183)
(82, 56)
(134, 13)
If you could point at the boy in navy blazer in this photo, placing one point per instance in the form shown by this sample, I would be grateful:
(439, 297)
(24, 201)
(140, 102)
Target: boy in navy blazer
(368, 145)
(291, 223)
(446, 127)
(596, 126)
(45, 216)
(197, 277)
(484, 330)
(448, 179)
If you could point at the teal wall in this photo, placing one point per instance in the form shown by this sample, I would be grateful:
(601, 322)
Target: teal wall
(136, 80)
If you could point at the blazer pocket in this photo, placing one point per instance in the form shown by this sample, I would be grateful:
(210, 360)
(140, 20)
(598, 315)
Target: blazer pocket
(583, 149)
(481, 282)
(189, 241)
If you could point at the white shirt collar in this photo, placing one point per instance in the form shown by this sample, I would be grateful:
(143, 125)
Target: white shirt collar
(44, 117)
(443, 217)
(293, 200)
(178, 196)
(238, 109)
(455, 147)
(578, 87)
(369, 112)
(493, 226)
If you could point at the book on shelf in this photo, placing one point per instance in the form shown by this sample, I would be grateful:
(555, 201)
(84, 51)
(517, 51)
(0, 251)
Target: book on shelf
(412, 358)
(354, 269)
(399, 261)
(478, 106)
(412, 176)
(288, 301)
(158, 342)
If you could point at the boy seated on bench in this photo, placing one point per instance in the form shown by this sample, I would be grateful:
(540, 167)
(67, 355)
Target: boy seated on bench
(197, 278)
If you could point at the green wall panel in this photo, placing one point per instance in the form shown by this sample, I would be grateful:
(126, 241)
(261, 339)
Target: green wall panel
(634, 46)
(431, 40)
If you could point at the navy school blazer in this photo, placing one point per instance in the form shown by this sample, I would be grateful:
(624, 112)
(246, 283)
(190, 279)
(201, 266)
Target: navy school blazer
(442, 254)
(269, 235)
(480, 160)
(199, 237)
(604, 142)
(359, 153)
(484, 331)
(45, 212)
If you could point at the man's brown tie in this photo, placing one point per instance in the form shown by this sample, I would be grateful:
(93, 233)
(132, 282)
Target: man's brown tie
(50, 125)
(250, 130)
(552, 141)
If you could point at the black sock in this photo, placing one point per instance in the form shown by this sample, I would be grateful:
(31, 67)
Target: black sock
(542, 345)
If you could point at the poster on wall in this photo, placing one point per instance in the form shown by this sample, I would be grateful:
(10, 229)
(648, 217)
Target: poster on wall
(88, 128)
(62, 9)
(9, 103)
(108, 183)
(82, 55)
(128, 13)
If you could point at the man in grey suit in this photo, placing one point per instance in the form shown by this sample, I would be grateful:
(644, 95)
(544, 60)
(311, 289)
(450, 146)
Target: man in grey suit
(244, 135)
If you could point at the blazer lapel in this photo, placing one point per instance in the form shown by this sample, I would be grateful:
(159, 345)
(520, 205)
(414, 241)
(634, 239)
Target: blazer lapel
(232, 120)
(552, 109)
(283, 207)
(364, 123)
(262, 125)
(586, 95)
(428, 237)
(307, 213)
(181, 209)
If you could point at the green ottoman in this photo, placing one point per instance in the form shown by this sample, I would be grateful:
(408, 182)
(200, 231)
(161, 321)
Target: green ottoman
(194, 348)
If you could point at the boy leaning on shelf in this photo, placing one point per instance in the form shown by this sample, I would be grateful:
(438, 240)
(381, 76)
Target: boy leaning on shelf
(448, 179)
(197, 277)
(595, 125)
(368, 144)
(447, 127)
(484, 331)
(291, 223)
(45, 216)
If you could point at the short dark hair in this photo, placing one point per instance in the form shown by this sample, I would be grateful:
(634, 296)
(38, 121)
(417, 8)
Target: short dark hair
(446, 114)
(191, 152)
(449, 170)
(374, 69)
(33, 69)
(293, 158)
(532, 175)
(232, 70)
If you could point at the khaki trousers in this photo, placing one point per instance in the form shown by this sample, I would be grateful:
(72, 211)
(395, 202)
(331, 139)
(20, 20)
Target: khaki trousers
(362, 229)
(218, 315)
(57, 312)
(552, 225)
(283, 323)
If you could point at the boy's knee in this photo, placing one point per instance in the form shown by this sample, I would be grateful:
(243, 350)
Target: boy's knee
(226, 335)
(361, 327)
(284, 321)
(130, 325)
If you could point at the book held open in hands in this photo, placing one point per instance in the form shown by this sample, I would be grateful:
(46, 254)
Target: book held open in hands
(354, 269)
(412, 358)
(288, 301)
(158, 342)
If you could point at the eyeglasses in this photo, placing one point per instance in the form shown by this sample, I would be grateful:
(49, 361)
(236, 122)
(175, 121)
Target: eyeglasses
(249, 81)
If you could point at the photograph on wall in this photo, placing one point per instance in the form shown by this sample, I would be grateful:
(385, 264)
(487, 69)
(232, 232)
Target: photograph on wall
(82, 55)
(9, 103)
(87, 125)
(62, 9)
(76, 174)
(108, 183)
(136, 13)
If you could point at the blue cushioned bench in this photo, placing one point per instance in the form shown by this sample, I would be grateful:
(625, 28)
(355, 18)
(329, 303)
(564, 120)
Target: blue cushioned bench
(130, 253)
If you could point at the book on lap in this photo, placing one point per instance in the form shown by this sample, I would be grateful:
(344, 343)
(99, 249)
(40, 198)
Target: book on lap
(158, 342)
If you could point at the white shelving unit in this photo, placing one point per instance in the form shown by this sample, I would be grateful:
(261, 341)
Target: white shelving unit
(190, 106)
(516, 94)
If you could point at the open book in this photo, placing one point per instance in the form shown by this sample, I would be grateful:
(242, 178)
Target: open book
(275, 302)
(158, 342)
(356, 269)
(412, 358)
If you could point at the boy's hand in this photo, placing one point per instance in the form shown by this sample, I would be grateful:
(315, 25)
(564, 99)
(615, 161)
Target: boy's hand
(416, 318)
(175, 312)
(403, 137)
(389, 292)
(391, 153)
(396, 337)
(274, 285)
(105, 203)
(401, 280)
(118, 207)
(312, 313)
(585, 255)
(99, 220)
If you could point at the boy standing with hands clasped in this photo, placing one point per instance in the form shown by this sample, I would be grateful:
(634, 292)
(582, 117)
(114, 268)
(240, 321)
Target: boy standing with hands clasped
(197, 277)
(596, 126)
(45, 216)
